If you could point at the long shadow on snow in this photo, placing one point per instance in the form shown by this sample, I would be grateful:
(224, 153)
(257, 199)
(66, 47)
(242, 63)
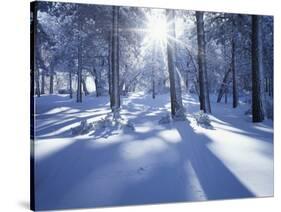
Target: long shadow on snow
(59, 172)
(56, 101)
(217, 181)
(42, 134)
(246, 127)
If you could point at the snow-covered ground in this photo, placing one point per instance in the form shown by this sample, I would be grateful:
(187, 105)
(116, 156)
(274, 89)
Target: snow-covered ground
(155, 163)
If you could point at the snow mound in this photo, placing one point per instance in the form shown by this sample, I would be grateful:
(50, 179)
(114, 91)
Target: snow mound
(82, 129)
(112, 124)
(203, 119)
(104, 127)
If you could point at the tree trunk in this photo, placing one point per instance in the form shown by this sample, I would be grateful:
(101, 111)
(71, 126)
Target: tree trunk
(207, 95)
(37, 83)
(98, 85)
(115, 95)
(109, 63)
(51, 91)
(153, 89)
(225, 95)
(86, 92)
(234, 83)
(266, 85)
(270, 86)
(223, 86)
(79, 55)
(153, 80)
(43, 82)
(175, 85)
(186, 84)
(70, 85)
(203, 78)
(257, 66)
(35, 86)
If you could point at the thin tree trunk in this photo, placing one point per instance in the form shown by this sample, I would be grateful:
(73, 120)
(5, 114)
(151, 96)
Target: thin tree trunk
(153, 78)
(203, 78)
(153, 89)
(70, 85)
(234, 83)
(86, 92)
(266, 85)
(177, 109)
(257, 66)
(270, 88)
(186, 84)
(223, 86)
(79, 69)
(115, 94)
(43, 82)
(35, 86)
(225, 94)
(37, 83)
(51, 90)
(109, 63)
(207, 96)
(97, 79)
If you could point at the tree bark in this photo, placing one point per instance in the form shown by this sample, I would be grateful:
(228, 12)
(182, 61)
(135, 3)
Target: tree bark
(223, 86)
(270, 86)
(35, 86)
(43, 82)
(51, 90)
(203, 78)
(257, 66)
(97, 78)
(266, 85)
(177, 109)
(225, 94)
(234, 82)
(79, 55)
(70, 85)
(153, 79)
(115, 94)
(109, 62)
(86, 92)
(37, 83)
(153, 89)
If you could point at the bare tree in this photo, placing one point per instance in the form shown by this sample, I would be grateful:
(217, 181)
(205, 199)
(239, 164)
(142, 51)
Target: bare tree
(114, 94)
(224, 85)
(33, 57)
(175, 85)
(257, 66)
(233, 68)
(70, 84)
(79, 55)
(203, 78)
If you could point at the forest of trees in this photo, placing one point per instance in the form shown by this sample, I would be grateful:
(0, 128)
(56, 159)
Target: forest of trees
(109, 50)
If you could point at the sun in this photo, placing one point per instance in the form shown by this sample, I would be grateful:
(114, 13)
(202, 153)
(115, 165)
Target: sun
(157, 28)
